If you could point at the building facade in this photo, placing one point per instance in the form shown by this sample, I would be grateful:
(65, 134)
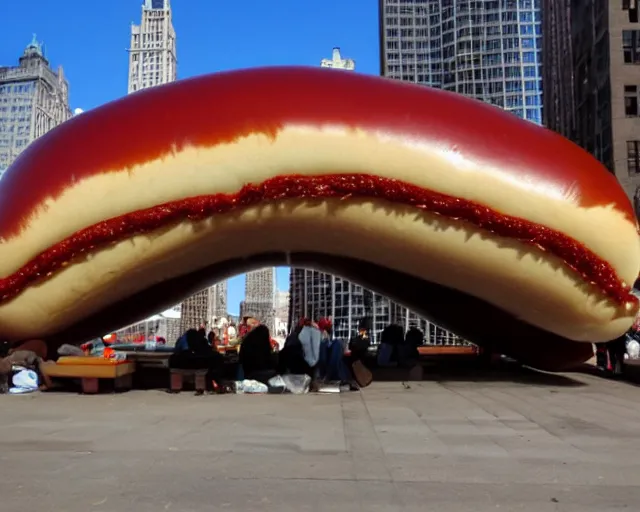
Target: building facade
(282, 313)
(338, 62)
(152, 52)
(260, 296)
(490, 50)
(557, 70)
(605, 71)
(33, 100)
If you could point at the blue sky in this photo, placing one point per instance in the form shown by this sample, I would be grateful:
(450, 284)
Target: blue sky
(89, 39)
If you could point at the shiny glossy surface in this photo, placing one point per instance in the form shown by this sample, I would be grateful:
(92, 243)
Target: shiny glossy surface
(265, 100)
(589, 266)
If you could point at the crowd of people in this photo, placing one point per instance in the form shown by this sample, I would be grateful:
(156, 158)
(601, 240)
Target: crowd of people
(310, 349)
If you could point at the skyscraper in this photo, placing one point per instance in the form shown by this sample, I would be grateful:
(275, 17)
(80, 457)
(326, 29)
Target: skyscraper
(260, 296)
(557, 69)
(33, 100)
(152, 54)
(337, 62)
(490, 50)
(601, 62)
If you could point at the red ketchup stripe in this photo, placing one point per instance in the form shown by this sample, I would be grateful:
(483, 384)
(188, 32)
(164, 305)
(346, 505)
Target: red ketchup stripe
(575, 255)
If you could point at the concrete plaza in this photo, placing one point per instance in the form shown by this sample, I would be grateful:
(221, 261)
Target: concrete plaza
(521, 442)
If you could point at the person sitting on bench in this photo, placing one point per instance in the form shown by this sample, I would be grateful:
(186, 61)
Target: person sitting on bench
(194, 353)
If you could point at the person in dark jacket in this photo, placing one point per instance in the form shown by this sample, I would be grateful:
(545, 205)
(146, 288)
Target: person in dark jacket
(408, 355)
(391, 338)
(256, 356)
(193, 352)
(291, 357)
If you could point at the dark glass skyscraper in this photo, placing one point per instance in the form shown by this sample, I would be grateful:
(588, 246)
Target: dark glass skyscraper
(487, 49)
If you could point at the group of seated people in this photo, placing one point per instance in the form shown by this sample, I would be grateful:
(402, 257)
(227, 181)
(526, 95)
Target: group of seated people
(399, 349)
(310, 349)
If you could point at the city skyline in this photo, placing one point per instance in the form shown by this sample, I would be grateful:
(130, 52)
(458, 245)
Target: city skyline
(204, 37)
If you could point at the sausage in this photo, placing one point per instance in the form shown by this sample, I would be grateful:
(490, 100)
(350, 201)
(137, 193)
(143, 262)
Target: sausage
(280, 162)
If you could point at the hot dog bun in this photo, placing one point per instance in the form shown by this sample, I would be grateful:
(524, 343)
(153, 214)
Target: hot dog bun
(441, 188)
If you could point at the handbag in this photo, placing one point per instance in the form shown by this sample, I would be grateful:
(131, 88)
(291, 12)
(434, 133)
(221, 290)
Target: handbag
(361, 374)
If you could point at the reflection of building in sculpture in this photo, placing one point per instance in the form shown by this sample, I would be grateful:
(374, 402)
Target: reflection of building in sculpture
(595, 83)
(260, 296)
(33, 100)
(489, 50)
(152, 55)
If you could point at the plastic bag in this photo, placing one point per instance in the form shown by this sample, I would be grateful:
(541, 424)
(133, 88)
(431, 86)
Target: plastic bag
(277, 385)
(24, 381)
(251, 386)
(633, 349)
(297, 384)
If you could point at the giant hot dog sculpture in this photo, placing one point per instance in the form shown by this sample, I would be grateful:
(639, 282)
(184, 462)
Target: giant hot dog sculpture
(498, 229)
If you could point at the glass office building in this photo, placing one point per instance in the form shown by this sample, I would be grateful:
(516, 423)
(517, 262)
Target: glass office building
(487, 49)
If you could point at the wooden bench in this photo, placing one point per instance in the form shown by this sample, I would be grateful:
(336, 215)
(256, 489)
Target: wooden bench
(177, 376)
(90, 370)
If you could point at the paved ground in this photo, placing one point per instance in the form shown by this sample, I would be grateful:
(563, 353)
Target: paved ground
(526, 444)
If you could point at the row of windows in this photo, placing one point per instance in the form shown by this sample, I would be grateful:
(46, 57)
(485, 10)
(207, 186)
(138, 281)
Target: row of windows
(504, 17)
(523, 30)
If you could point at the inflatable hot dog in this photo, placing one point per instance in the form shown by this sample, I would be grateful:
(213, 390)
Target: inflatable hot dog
(499, 229)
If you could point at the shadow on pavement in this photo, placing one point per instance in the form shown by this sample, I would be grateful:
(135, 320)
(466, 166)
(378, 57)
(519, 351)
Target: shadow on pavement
(457, 369)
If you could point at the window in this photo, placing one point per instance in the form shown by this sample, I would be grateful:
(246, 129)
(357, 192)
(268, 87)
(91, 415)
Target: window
(631, 100)
(633, 157)
(631, 6)
(631, 46)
